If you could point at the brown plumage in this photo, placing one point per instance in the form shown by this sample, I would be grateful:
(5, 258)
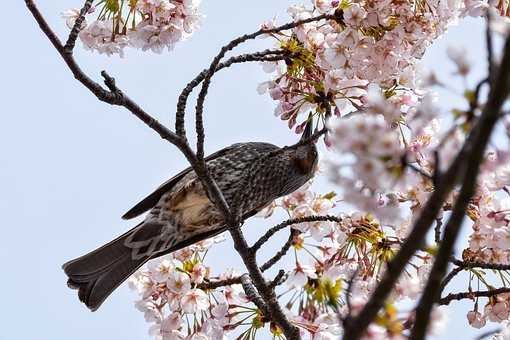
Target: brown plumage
(181, 213)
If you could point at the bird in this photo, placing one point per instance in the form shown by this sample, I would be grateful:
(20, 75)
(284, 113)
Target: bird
(180, 212)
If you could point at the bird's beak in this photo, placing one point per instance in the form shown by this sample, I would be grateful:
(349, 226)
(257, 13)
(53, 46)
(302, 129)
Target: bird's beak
(307, 133)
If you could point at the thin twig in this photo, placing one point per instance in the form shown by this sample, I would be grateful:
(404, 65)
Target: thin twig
(449, 277)
(280, 253)
(267, 55)
(102, 94)
(264, 238)
(472, 295)
(219, 283)
(278, 279)
(348, 296)
(481, 265)
(488, 334)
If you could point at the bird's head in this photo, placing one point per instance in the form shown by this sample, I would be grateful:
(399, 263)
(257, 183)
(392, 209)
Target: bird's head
(305, 155)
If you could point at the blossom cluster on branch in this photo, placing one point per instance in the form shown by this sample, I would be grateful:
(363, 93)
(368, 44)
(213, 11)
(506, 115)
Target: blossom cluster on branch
(148, 25)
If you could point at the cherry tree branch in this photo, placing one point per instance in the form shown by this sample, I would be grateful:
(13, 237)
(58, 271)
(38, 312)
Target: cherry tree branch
(276, 313)
(450, 277)
(253, 295)
(466, 265)
(267, 55)
(354, 327)
(481, 265)
(281, 253)
(488, 334)
(472, 295)
(219, 283)
(115, 97)
(214, 64)
(264, 238)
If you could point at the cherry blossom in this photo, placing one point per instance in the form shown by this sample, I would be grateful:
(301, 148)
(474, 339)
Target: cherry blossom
(299, 276)
(476, 319)
(149, 25)
(194, 300)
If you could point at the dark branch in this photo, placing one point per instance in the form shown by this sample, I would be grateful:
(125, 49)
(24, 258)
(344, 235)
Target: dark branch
(357, 325)
(71, 40)
(275, 311)
(102, 94)
(490, 48)
(472, 295)
(278, 279)
(290, 222)
(252, 294)
(219, 283)
(449, 277)
(281, 253)
(488, 334)
(481, 265)
(348, 298)
(267, 55)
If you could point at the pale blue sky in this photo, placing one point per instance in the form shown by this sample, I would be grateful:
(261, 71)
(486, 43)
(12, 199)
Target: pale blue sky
(70, 166)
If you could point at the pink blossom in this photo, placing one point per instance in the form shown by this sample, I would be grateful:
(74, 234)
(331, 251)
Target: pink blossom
(178, 282)
(194, 300)
(98, 36)
(498, 311)
(160, 271)
(299, 276)
(476, 319)
(198, 273)
(354, 15)
(171, 323)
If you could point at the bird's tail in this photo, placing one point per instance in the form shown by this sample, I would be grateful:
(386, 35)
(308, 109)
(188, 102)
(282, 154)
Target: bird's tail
(98, 273)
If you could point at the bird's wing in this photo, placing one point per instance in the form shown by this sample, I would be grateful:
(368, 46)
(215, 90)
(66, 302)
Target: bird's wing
(151, 200)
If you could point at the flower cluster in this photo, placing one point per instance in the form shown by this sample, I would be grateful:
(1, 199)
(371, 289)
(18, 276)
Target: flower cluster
(496, 310)
(377, 42)
(176, 301)
(328, 255)
(148, 25)
(490, 212)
